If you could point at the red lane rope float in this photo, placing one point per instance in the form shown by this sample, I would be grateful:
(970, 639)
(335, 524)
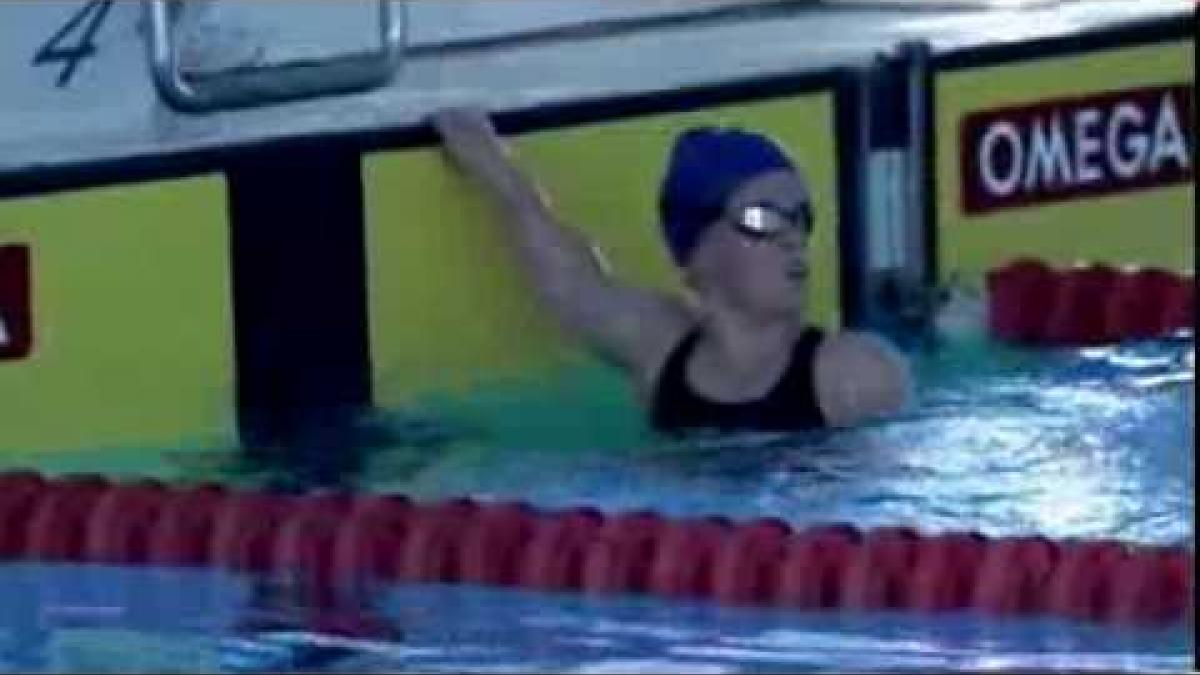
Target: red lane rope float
(814, 565)
(20, 494)
(493, 545)
(335, 544)
(622, 554)
(553, 559)
(1030, 302)
(119, 527)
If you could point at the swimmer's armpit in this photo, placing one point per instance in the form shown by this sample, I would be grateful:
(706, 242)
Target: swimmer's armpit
(859, 378)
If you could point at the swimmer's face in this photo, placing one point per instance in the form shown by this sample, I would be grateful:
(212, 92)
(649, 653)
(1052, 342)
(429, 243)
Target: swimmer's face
(756, 255)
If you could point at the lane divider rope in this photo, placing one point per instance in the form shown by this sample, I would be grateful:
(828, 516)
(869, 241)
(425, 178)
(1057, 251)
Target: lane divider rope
(1031, 302)
(335, 543)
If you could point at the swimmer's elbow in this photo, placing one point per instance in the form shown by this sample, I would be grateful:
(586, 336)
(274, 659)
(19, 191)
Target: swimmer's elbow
(861, 378)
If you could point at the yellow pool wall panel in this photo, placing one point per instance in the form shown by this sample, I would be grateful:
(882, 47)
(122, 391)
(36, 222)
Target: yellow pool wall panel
(450, 310)
(1152, 226)
(133, 321)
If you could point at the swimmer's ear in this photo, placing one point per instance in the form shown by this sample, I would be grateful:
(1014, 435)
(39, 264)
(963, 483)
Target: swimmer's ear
(690, 275)
(689, 279)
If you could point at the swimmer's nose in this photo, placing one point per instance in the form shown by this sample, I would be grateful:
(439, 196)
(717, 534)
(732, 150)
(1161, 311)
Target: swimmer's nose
(788, 244)
(795, 250)
(792, 239)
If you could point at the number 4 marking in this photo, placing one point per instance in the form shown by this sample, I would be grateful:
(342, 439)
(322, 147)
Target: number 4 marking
(52, 50)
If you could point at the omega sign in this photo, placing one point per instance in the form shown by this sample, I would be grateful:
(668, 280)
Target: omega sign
(1077, 147)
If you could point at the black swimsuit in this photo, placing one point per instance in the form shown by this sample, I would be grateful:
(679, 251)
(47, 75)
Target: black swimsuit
(791, 405)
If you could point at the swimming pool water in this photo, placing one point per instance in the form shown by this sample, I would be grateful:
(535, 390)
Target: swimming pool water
(1077, 443)
(449, 629)
(1070, 443)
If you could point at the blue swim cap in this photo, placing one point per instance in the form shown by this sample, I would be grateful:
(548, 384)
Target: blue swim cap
(707, 166)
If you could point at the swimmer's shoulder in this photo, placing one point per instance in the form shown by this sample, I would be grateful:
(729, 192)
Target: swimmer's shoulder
(860, 377)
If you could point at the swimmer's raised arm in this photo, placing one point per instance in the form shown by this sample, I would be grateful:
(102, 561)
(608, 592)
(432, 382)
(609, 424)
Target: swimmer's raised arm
(625, 324)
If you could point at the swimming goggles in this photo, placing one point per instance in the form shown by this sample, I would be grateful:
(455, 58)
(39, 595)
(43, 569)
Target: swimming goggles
(764, 221)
